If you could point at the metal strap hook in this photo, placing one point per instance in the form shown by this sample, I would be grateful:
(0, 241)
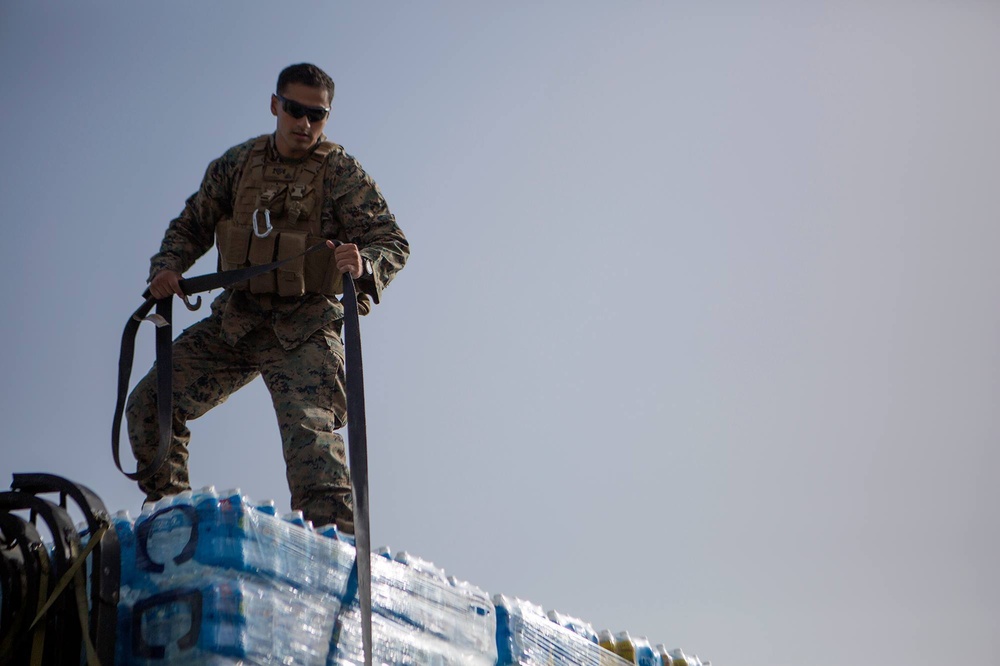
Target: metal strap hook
(267, 222)
(189, 305)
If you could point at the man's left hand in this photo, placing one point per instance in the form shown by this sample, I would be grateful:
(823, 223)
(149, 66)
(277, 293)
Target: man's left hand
(348, 258)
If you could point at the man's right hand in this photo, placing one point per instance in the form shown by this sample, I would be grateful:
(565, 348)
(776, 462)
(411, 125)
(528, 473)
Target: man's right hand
(165, 283)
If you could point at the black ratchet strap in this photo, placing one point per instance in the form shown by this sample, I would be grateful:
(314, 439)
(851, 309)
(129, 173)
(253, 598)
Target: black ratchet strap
(164, 353)
(357, 436)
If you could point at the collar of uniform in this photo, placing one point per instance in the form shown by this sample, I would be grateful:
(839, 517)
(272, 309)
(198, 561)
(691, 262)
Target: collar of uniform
(273, 154)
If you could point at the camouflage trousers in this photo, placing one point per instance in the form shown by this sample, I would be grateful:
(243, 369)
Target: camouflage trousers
(307, 387)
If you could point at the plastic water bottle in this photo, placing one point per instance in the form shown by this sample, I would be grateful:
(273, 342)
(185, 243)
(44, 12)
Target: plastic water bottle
(123, 526)
(665, 658)
(421, 565)
(644, 654)
(329, 531)
(267, 507)
(211, 534)
(237, 550)
(233, 505)
(624, 647)
(680, 659)
(507, 628)
(576, 625)
(166, 615)
(295, 518)
(164, 536)
(298, 550)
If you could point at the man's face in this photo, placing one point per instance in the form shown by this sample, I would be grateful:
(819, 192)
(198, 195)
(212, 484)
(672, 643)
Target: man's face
(295, 136)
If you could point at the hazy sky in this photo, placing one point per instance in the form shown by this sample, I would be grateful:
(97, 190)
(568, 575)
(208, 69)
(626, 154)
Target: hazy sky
(698, 338)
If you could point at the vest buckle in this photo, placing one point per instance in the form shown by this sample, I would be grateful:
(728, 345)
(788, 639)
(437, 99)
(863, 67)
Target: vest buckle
(267, 222)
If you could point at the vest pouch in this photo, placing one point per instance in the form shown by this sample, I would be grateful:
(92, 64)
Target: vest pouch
(234, 244)
(291, 277)
(262, 252)
(322, 274)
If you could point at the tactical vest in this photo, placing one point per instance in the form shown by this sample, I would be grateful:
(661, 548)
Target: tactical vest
(276, 216)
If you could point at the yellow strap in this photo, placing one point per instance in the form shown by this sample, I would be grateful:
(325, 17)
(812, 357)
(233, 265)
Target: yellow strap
(81, 612)
(70, 573)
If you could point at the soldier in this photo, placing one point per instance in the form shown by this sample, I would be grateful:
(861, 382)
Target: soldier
(270, 198)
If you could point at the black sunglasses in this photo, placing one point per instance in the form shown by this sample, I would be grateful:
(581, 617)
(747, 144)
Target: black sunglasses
(296, 110)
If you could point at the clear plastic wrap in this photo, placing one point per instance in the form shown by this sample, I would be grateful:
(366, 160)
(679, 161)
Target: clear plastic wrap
(574, 624)
(527, 637)
(265, 589)
(419, 616)
(229, 531)
(221, 613)
(215, 579)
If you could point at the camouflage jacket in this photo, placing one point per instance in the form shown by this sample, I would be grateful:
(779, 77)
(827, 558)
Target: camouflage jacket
(352, 203)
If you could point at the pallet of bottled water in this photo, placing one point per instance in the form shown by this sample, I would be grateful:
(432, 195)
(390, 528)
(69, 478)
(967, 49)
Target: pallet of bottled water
(216, 579)
(528, 636)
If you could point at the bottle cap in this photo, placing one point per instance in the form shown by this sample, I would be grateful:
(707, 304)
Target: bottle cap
(267, 506)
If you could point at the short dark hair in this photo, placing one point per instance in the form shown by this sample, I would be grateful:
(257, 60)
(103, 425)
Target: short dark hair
(310, 75)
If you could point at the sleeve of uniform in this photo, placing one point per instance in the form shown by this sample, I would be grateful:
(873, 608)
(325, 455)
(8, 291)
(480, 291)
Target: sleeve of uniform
(192, 233)
(357, 209)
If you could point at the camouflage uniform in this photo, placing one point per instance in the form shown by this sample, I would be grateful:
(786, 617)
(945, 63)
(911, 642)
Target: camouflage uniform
(293, 342)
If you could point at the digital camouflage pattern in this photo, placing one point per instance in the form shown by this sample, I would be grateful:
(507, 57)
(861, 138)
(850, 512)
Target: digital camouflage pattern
(307, 390)
(294, 343)
(353, 208)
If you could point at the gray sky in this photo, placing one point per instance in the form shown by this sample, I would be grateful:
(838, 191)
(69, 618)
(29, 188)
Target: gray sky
(699, 334)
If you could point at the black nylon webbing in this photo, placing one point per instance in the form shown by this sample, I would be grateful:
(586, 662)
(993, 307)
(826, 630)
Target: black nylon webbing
(357, 436)
(164, 355)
